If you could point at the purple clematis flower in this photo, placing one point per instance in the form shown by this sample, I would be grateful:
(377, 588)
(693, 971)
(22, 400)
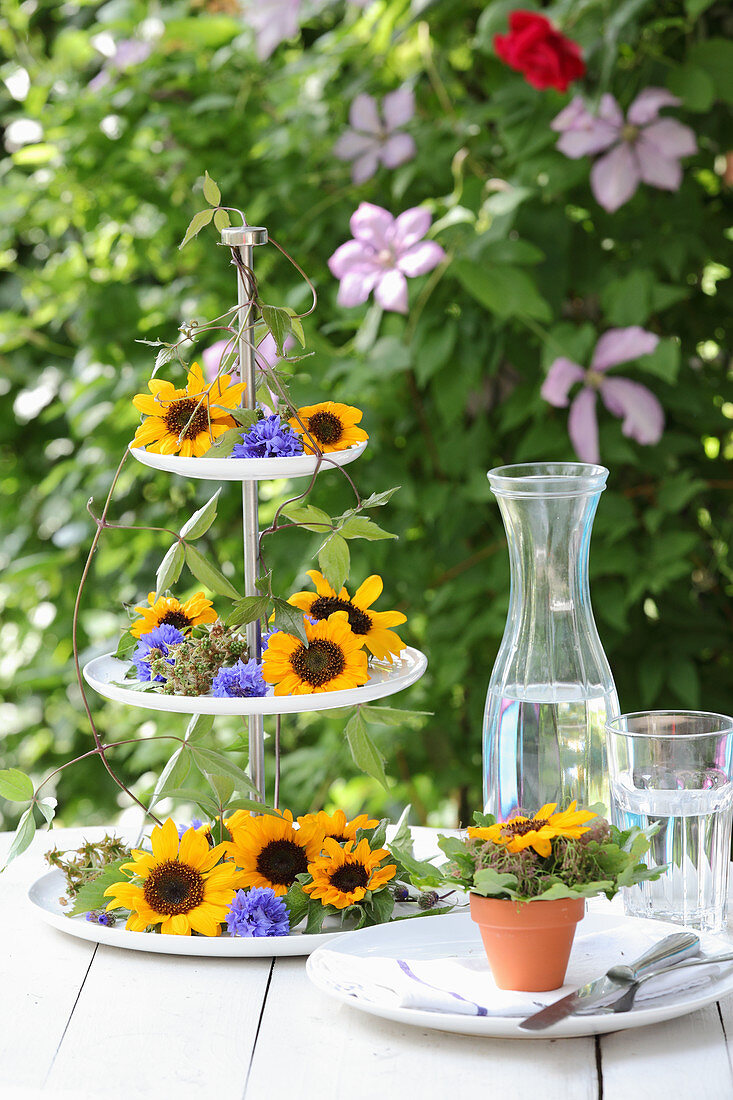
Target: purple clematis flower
(374, 138)
(643, 416)
(273, 21)
(266, 352)
(128, 52)
(384, 250)
(641, 147)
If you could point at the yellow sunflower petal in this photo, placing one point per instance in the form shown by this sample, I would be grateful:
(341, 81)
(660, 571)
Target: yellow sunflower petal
(164, 840)
(369, 591)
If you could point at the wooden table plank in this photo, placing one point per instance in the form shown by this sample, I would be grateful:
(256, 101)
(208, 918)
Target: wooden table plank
(686, 1057)
(336, 1052)
(41, 970)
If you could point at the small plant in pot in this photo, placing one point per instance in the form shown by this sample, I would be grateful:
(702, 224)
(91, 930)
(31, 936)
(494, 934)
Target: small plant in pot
(528, 879)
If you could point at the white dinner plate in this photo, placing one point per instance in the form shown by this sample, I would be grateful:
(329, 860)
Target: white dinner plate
(455, 935)
(107, 676)
(44, 895)
(247, 469)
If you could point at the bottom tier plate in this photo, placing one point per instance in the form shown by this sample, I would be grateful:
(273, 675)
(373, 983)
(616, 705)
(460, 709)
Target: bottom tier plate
(107, 676)
(44, 895)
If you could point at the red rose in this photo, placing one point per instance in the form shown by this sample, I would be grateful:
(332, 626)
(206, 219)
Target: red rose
(535, 48)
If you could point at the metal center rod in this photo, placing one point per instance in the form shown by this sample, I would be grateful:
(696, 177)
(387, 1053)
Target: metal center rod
(243, 239)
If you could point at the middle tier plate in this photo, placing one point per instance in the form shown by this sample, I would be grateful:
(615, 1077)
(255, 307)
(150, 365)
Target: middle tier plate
(247, 469)
(106, 675)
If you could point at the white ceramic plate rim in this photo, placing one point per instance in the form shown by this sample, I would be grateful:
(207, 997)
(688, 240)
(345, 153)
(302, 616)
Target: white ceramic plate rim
(247, 469)
(45, 891)
(505, 1026)
(384, 680)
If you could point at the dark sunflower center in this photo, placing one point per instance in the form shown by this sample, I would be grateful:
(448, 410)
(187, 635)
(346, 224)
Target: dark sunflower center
(340, 838)
(173, 888)
(349, 877)
(280, 861)
(180, 412)
(325, 427)
(319, 663)
(521, 828)
(324, 606)
(178, 619)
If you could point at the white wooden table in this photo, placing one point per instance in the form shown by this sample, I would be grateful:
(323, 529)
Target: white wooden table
(82, 1021)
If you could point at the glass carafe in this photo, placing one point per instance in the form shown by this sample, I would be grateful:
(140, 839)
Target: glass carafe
(551, 690)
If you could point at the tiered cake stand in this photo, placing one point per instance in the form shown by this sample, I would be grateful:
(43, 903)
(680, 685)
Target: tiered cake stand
(106, 674)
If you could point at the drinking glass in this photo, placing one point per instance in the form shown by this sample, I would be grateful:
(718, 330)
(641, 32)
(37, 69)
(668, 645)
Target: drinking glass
(674, 768)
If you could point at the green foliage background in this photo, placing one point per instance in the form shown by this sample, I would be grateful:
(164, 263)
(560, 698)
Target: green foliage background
(92, 216)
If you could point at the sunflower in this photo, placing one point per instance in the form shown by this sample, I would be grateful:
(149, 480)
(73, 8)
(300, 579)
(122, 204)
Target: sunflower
(195, 413)
(343, 876)
(372, 626)
(536, 832)
(333, 660)
(336, 826)
(184, 886)
(270, 850)
(167, 609)
(331, 425)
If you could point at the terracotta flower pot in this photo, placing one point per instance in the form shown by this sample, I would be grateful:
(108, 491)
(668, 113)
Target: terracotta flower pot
(527, 943)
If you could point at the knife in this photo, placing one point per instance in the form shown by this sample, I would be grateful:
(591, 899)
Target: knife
(672, 949)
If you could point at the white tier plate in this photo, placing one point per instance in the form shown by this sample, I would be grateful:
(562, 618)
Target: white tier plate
(44, 895)
(456, 935)
(247, 469)
(105, 673)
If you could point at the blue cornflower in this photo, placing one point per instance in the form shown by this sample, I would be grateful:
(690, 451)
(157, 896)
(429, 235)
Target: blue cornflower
(196, 823)
(160, 638)
(258, 912)
(269, 438)
(107, 920)
(240, 681)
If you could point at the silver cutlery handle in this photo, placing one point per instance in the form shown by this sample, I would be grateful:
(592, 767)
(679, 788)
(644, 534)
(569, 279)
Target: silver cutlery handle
(669, 951)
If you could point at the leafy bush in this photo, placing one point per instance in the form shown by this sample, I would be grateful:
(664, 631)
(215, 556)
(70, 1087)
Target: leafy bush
(101, 158)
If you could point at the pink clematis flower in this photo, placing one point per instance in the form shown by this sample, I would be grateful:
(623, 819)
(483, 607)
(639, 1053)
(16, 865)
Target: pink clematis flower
(384, 250)
(127, 52)
(374, 138)
(643, 416)
(273, 21)
(266, 350)
(641, 147)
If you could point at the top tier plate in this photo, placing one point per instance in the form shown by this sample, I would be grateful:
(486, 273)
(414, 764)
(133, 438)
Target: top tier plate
(247, 469)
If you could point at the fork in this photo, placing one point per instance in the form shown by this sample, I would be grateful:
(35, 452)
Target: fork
(623, 1004)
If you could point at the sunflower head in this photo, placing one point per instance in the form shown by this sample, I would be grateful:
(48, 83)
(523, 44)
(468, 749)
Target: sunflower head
(372, 626)
(333, 660)
(538, 831)
(269, 850)
(332, 426)
(342, 876)
(182, 885)
(336, 826)
(188, 421)
(167, 609)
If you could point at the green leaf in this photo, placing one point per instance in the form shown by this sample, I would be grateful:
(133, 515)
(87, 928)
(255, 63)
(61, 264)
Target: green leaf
(693, 85)
(47, 806)
(173, 776)
(664, 361)
(503, 290)
(215, 763)
(382, 905)
(246, 418)
(125, 646)
(248, 610)
(361, 527)
(334, 560)
(209, 575)
(316, 915)
(212, 194)
(377, 500)
(489, 883)
(365, 753)
(222, 786)
(24, 834)
(200, 726)
(201, 521)
(296, 325)
(391, 716)
(221, 220)
(197, 224)
(225, 444)
(168, 572)
(91, 895)
(254, 805)
(15, 785)
(715, 57)
(421, 872)
(403, 835)
(279, 322)
(290, 619)
(207, 805)
(298, 903)
(308, 516)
